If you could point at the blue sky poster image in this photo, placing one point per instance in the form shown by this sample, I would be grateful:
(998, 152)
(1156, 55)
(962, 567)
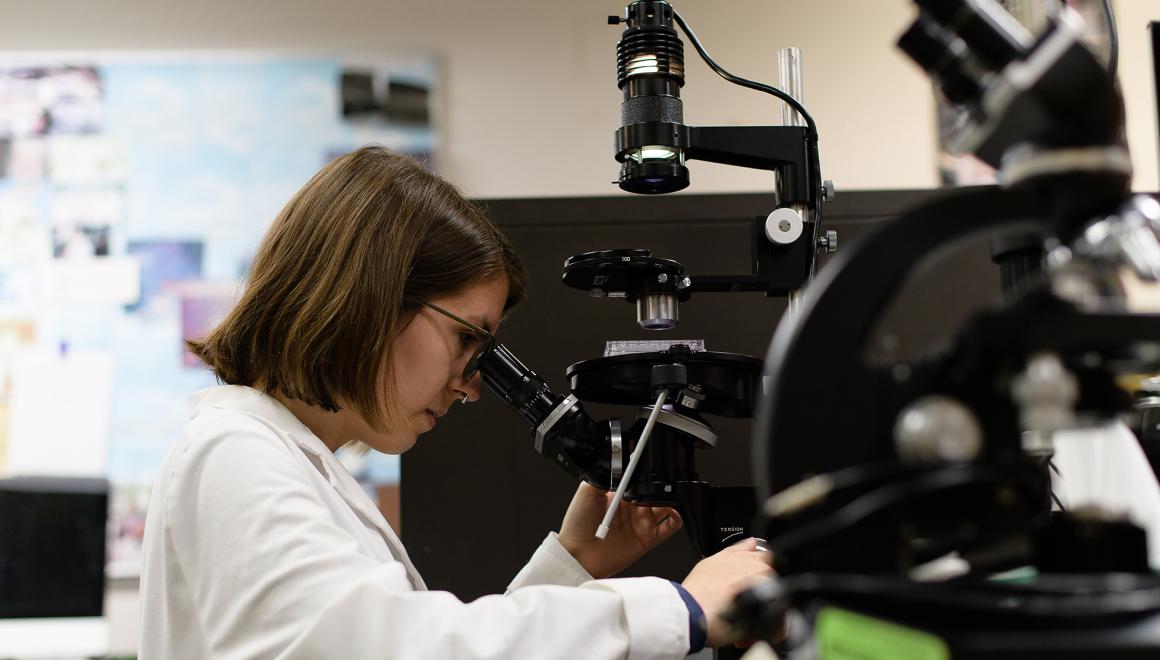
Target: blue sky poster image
(161, 177)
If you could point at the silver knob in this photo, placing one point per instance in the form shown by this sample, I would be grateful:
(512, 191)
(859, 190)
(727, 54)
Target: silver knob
(783, 226)
(937, 428)
(829, 242)
(1046, 391)
(828, 191)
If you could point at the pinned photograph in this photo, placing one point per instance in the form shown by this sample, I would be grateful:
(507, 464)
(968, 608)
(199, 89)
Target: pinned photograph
(45, 100)
(80, 241)
(86, 160)
(203, 306)
(164, 266)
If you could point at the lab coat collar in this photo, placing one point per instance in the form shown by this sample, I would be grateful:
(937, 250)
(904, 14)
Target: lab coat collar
(267, 408)
(261, 405)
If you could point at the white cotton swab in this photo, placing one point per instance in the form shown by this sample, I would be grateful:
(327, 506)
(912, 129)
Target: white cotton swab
(602, 531)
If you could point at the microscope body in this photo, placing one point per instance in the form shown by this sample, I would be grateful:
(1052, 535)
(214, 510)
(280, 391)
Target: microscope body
(653, 146)
(701, 383)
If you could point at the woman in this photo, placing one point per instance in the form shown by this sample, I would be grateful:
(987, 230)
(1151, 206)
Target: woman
(259, 544)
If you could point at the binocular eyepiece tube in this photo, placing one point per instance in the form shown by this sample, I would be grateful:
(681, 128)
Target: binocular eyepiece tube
(564, 432)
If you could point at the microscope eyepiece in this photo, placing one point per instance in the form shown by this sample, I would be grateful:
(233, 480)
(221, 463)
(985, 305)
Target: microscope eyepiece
(944, 57)
(516, 385)
(992, 34)
(563, 432)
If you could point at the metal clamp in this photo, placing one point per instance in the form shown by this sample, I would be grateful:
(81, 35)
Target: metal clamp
(687, 425)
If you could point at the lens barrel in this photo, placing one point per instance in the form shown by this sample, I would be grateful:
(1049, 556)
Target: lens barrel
(650, 70)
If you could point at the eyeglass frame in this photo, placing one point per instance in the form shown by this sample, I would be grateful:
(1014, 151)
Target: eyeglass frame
(486, 340)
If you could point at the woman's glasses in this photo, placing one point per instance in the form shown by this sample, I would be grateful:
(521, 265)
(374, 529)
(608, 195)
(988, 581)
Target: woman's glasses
(486, 340)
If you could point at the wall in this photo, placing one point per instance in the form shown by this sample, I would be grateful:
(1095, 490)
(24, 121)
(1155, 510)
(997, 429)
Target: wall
(529, 89)
(1138, 81)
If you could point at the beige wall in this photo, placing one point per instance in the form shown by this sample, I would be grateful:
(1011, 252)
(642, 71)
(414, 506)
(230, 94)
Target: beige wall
(1139, 85)
(531, 100)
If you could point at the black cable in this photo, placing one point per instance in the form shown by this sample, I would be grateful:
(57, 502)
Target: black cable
(1051, 491)
(811, 134)
(1113, 38)
(880, 499)
(793, 103)
(1049, 598)
(817, 233)
(811, 125)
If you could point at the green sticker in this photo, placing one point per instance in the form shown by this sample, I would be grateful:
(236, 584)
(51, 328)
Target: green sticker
(844, 635)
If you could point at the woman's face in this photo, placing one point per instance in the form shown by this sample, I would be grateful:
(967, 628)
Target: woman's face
(428, 358)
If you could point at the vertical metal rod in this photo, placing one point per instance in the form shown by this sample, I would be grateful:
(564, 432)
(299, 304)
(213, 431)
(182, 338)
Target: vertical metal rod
(794, 302)
(789, 67)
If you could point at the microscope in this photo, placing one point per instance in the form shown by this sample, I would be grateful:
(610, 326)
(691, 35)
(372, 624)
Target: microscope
(940, 460)
(675, 386)
(944, 460)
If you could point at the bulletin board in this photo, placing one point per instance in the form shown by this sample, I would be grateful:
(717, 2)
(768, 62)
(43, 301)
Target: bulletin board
(134, 189)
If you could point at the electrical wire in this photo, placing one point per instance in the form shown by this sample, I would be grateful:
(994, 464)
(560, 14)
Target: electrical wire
(880, 499)
(1058, 598)
(811, 125)
(793, 103)
(817, 234)
(1047, 463)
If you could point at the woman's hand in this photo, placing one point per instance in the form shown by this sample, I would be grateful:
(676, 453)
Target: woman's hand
(716, 580)
(634, 531)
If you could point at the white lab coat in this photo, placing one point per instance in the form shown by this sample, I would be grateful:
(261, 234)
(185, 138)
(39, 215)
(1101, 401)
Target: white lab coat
(1106, 467)
(259, 544)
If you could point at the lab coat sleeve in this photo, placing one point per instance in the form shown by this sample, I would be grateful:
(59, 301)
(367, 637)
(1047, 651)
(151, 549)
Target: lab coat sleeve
(1106, 467)
(551, 564)
(273, 576)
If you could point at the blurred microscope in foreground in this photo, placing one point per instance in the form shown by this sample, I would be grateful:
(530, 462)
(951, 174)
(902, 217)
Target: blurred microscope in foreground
(918, 522)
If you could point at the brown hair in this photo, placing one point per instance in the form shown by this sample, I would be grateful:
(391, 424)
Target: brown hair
(340, 273)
